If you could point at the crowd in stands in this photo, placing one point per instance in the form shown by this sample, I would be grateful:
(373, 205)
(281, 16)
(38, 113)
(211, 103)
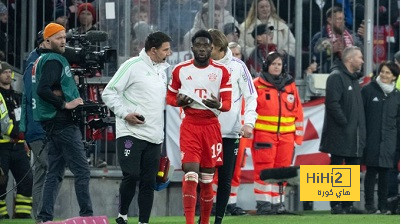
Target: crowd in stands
(182, 18)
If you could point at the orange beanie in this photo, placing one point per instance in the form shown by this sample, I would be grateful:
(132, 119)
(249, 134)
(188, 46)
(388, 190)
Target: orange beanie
(51, 29)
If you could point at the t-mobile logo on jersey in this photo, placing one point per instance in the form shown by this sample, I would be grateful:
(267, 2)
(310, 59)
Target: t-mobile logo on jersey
(202, 93)
(127, 152)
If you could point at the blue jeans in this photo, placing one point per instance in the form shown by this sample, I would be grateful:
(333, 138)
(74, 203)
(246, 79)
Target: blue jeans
(65, 147)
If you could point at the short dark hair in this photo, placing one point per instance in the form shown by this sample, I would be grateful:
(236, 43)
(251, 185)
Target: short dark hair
(231, 28)
(261, 29)
(156, 40)
(202, 33)
(390, 65)
(269, 60)
(333, 10)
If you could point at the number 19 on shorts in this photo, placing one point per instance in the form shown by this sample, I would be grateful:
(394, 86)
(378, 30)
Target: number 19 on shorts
(216, 149)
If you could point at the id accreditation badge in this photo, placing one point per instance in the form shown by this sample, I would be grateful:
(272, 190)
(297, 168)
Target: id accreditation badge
(17, 113)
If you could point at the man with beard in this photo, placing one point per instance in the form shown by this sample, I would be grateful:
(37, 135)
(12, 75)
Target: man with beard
(137, 94)
(203, 88)
(344, 131)
(56, 95)
(328, 44)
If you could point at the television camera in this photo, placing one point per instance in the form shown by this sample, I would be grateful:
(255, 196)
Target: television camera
(86, 60)
(82, 53)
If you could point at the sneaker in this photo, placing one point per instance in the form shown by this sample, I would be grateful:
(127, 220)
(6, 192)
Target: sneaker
(101, 164)
(234, 210)
(383, 212)
(120, 220)
(370, 209)
(394, 204)
(279, 208)
(22, 216)
(337, 209)
(264, 208)
(352, 210)
(6, 216)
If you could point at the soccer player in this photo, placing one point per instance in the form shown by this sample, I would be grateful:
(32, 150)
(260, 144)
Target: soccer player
(203, 88)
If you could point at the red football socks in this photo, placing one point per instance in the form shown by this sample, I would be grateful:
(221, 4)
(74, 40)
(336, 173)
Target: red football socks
(189, 185)
(206, 203)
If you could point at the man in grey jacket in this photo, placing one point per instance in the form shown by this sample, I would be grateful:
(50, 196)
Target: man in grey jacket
(344, 131)
(137, 94)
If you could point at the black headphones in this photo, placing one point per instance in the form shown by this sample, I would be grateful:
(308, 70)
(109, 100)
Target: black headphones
(265, 67)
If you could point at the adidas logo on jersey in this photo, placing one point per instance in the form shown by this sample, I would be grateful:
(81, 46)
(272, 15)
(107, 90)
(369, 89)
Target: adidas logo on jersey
(219, 159)
(189, 78)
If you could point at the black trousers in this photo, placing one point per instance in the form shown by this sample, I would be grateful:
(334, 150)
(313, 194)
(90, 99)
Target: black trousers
(139, 161)
(225, 174)
(339, 160)
(13, 157)
(370, 182)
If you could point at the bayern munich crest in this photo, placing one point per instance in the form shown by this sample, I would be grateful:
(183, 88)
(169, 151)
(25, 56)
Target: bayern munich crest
(212, 77)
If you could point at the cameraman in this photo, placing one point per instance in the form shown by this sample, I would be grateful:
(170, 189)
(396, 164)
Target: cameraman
(136, 94)
(56, 95)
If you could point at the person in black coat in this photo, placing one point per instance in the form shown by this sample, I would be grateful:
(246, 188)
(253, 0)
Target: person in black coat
(343, 134)
(382, 111)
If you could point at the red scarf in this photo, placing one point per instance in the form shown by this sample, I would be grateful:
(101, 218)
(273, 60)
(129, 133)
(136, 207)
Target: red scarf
(346, 36)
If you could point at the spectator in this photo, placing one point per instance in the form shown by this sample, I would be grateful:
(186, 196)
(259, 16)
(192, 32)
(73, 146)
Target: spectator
(334, 37)
(383, 35)
(382, 112)
(178, 18)
(232, 33)
(201, 22)
(264, 45)
(12, 154)
(230, 121)
(235, 50)
(56, 94)
(135, 48)
(227, 16)
(73, 9)
(279, 122)
(344, 132)
(200, 135)
(6, 38)
(61, 16)
(308, 66)
(142, 30)
(264, 12)
(136, 94)
(87, 19)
